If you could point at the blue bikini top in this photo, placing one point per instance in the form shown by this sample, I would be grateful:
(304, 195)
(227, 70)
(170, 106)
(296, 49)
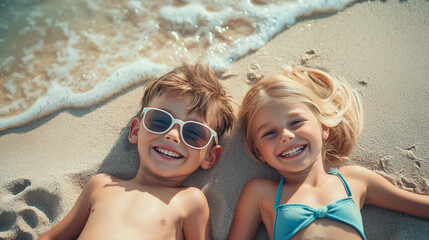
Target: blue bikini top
(291, 218)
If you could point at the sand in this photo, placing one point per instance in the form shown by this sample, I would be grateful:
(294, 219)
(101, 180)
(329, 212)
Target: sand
(380, 47)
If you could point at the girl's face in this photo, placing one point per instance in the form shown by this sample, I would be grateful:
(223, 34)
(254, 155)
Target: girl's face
(288, 137)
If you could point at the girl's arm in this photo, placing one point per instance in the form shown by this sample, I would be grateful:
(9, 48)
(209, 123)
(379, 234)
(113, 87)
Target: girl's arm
(73, 223)
(247, 213)
(380, 192)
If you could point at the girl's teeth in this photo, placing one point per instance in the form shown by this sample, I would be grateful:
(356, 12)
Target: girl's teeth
(293, 151)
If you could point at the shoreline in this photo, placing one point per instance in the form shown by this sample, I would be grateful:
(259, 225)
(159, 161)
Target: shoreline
(380, 48)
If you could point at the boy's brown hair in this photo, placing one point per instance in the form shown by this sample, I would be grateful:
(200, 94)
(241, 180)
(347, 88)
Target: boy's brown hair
(201, 84)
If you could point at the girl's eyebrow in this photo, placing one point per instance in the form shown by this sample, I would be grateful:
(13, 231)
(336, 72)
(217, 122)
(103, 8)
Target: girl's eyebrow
(289, 115)
(262, 126)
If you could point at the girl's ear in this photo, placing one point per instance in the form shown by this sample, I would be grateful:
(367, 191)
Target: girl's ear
(212, 157)
(325, 132)
(259, 155)
(134, 130)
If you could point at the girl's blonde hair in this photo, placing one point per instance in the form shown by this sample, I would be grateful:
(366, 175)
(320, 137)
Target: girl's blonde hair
(334, 103)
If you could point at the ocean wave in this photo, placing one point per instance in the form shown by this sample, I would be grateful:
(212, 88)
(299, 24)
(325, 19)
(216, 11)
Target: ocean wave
(62, 54)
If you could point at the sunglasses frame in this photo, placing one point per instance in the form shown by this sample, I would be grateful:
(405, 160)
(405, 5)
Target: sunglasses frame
(181, 123)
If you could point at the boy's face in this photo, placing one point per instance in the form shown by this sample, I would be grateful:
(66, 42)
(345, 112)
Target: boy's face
(166, 155)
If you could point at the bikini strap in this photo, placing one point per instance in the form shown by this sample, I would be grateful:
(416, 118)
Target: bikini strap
(279, 192)
(334, 171)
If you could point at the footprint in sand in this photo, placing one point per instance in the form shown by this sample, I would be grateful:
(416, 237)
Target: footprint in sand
(26, 212)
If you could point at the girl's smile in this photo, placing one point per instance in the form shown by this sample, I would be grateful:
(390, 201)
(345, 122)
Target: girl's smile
(293, 152)
(288, 136)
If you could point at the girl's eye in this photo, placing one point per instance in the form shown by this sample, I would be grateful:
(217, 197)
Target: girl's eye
(296, 122)
(271, 132)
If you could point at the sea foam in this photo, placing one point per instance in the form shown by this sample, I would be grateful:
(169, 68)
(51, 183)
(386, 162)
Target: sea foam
(62, 54)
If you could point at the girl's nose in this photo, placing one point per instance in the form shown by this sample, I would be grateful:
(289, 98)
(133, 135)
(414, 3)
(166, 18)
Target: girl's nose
(286, 135)
(173, 134)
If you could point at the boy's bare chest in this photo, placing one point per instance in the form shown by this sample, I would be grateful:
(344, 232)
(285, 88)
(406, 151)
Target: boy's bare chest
(117, 211)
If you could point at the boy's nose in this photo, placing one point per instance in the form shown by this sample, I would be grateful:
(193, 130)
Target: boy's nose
(173, 134)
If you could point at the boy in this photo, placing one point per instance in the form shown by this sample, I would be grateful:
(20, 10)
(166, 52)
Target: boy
(175, 135)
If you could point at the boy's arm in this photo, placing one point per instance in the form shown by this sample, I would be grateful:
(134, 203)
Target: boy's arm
(247, 216)
(73, 223)
(197, 224)
(380, 192)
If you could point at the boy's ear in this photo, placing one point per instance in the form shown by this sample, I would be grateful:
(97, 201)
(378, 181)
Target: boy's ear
(134, 130)
(325, 132)
(212, 157)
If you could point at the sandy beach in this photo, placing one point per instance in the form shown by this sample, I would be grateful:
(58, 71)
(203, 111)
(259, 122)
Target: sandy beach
(381, 48)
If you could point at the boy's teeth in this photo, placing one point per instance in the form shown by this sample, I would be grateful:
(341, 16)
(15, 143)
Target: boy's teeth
(293, 151)
(168, 153)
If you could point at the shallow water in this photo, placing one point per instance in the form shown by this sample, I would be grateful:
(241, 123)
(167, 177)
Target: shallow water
(61, 53)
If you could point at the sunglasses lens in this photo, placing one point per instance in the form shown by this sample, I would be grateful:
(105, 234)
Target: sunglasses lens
(157, 121)
(195, 134)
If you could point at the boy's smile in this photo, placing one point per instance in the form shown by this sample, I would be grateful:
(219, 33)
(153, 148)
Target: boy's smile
(168, 154)
(165, 154)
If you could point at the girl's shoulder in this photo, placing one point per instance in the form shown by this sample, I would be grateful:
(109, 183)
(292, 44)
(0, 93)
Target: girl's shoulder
(260, 182)
(259, 194)
(355, 172)
(262, 187)
(360, 178)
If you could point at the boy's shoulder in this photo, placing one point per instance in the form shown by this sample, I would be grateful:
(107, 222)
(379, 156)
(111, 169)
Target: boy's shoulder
(101, 180)
(190, 200)
(192, 195)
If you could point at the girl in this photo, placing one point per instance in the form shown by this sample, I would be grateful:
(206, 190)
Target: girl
(299, 123)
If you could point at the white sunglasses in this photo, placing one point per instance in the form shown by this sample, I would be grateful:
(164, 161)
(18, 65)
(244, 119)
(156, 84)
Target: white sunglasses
(194, 134)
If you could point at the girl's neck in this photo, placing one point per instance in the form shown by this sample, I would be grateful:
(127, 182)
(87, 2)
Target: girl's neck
(313, 175)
